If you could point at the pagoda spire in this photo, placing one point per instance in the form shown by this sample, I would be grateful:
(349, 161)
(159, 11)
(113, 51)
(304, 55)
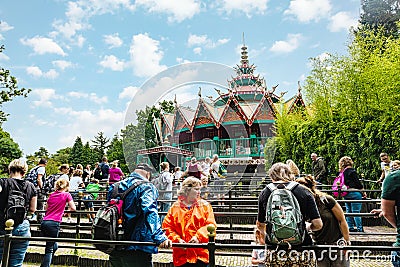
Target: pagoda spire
(244, 58)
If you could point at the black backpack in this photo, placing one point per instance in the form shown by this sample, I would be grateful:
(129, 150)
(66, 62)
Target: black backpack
(16, 203)
(109, 221)
(32, 176)
(97, 174)
(49, 183)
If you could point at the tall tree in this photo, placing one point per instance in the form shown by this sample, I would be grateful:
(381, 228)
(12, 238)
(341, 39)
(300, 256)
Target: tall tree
(9, 88)
(381, 13)
(77, 153)
(89, 155)
(9, 150)
(116, 152)
(100, 145)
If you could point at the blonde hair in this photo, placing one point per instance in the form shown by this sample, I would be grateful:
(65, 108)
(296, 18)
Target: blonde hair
(61, 184)
(345, 162)
(280, 172)
(293, 167)
(188, 184)
(164, 165)
(18, 165)
(78, 172)
(115, 163)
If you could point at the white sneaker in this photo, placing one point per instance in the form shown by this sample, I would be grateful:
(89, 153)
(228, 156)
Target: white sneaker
(33, 218)
(69, 220)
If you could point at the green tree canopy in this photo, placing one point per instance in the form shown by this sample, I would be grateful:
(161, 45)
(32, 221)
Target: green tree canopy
(9, 88)
(9, 150)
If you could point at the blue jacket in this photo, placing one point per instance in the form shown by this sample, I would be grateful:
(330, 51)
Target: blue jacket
(141, 219)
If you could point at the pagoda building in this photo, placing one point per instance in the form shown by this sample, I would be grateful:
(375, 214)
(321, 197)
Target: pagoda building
(236, 125)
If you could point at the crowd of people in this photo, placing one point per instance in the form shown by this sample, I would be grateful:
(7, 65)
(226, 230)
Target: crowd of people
(321, 219)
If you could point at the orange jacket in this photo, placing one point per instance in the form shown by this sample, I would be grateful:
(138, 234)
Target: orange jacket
(184, 223)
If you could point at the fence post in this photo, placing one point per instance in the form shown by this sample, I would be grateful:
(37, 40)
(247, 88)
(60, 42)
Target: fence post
(7, 242)
(230, 208)
(78, 220)
(211, 245)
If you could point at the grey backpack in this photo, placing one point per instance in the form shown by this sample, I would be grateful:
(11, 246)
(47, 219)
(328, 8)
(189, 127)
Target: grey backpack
(283, 216)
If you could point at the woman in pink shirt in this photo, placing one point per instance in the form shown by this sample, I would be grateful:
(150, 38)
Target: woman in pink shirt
(55, 208)
(115, 173)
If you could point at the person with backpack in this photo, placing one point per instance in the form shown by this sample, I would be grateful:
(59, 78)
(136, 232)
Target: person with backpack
(55, 207)
(17, 197)
(334, 230)
(105, 168)
(140, 220)
(37, 176)
(318, 168)
(97, 172)
(287, 212)
(354, 187)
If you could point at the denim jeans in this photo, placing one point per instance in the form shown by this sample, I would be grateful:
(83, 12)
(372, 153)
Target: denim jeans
(18, 248)
(354, 207)
(395, 258)
(49, 229)
(130, 258)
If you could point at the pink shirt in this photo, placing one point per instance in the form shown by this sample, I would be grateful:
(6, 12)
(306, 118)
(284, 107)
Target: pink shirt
(56, 206)
(115, 175)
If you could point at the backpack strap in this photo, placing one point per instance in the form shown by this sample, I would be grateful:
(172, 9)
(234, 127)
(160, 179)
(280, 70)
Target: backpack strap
(291, 185)
(115, 192)
(271, 187)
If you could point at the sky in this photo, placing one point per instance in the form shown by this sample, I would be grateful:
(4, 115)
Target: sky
(92, 63)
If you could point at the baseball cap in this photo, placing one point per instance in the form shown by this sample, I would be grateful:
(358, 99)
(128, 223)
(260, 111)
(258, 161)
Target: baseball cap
(145, 166)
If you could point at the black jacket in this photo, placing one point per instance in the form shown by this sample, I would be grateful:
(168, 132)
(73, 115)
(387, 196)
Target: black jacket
(351, 179)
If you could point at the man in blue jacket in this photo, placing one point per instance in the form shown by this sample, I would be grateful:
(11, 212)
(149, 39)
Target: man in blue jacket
(142, 221)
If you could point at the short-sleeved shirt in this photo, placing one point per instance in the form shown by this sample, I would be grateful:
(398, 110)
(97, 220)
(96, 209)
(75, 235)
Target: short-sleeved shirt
(386, 167)
(13, 183)
(306, 201)
(56, 206)
(75, 182)
(391, 191)
(330, 232)
(258, 254)
(215, 168)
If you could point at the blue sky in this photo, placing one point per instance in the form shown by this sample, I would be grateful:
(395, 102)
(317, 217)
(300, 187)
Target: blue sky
(86, 60)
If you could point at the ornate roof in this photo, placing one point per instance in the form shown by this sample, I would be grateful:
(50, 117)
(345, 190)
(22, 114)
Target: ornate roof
(247, 100)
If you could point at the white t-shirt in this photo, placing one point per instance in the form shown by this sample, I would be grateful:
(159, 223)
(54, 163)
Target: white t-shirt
(387, 167)
(215, 169)
(206, 168)
(74, 183)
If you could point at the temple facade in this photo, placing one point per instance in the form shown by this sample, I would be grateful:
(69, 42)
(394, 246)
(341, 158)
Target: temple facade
(236, 125)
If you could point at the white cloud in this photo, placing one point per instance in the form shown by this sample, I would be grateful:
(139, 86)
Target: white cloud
(292, 43)
(182, 61)
(4, 26)
(38, 73)
(203, 40)
(309, 10)
(128, 92)
(62, 64)
(113, 63)
(45, 97)
(249, 7)
(91, 96)
(177, 10)
(145, 55)
(80, 12)
(342, 21)
(86, 124)
(43, 45)
(113, 40)
(197, 50)
(323, 56)
(4, 57)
